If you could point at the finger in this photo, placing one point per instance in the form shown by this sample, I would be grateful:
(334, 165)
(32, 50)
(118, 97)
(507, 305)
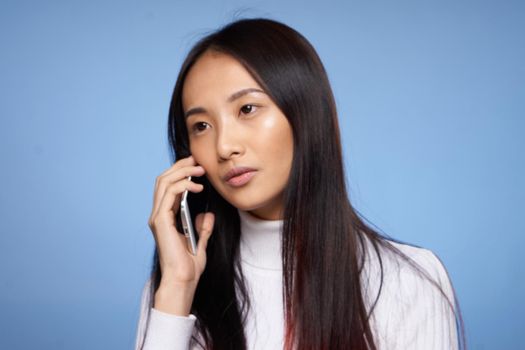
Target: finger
(189, 161)
(165, 218)
(169, 204)
(204, 222)
(167, 240)
(184, 162)
(168, 180)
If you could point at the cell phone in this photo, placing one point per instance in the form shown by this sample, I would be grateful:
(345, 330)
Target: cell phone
(187, 225)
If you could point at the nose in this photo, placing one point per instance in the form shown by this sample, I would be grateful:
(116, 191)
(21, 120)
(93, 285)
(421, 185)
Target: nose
(229, 141)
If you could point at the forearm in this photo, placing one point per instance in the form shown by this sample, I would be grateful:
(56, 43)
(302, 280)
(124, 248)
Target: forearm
(174, 299)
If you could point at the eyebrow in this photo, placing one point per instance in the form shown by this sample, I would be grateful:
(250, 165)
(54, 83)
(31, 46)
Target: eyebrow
(233, 97)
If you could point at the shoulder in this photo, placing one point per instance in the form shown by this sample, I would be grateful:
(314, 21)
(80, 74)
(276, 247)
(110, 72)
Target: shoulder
(413, 304)
(427, 265)
(405, 266)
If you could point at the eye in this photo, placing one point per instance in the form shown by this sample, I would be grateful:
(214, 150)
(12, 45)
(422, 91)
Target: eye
(247, 109)
(199, 127)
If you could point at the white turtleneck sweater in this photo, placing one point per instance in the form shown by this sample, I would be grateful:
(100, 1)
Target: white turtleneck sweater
(411, 313)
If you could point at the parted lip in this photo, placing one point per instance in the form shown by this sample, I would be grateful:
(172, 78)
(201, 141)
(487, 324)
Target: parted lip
(236, 172)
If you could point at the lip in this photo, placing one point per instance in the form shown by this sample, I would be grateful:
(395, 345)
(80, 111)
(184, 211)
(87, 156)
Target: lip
(239, 176)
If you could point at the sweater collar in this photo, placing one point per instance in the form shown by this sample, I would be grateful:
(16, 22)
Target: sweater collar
(260, 244)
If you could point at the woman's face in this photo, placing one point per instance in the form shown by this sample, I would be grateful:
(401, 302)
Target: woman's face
(234, 125)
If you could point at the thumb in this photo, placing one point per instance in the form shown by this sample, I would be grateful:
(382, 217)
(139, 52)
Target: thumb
(204, 222)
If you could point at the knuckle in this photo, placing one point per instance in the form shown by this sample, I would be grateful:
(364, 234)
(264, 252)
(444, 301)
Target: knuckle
(174, 188)
(156, 225)
(152, 222)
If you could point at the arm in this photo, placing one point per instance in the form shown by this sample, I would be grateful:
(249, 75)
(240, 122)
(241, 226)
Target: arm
(164, 330)
(167, 323)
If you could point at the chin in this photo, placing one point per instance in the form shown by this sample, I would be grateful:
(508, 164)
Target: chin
(264, 205)
(249, 199)
(247, 205)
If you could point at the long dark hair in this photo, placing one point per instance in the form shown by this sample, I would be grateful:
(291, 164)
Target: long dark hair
(323, 235)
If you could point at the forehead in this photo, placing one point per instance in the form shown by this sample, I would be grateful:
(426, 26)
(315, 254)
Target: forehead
(214, 77)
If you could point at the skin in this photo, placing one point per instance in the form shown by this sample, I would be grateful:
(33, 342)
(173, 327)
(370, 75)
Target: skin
(249, 131)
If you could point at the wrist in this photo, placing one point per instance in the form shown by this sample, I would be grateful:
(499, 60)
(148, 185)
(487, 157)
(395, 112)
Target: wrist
(175, 300)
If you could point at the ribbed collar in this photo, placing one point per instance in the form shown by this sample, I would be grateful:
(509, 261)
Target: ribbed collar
(260, 244)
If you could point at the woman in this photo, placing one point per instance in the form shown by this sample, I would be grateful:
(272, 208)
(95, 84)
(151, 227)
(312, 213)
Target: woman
(283, 260)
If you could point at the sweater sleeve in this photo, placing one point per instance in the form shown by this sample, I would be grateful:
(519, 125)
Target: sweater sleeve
(164, 331)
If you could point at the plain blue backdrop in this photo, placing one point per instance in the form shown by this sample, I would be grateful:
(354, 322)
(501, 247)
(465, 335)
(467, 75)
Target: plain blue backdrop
(430, 96)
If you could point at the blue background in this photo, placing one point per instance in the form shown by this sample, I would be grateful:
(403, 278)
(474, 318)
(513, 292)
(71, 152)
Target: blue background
(431, 102)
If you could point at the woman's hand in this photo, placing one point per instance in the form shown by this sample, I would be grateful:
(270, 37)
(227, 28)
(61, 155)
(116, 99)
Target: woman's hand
(180, 269)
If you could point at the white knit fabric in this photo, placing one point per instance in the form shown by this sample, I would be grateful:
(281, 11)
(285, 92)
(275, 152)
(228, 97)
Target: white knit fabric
(411, 313)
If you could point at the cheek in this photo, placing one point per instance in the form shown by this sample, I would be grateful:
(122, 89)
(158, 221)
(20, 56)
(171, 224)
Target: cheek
(280, 134)
(198, 151)
(205, 156)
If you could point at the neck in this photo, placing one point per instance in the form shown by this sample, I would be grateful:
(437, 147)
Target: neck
(260, 242)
